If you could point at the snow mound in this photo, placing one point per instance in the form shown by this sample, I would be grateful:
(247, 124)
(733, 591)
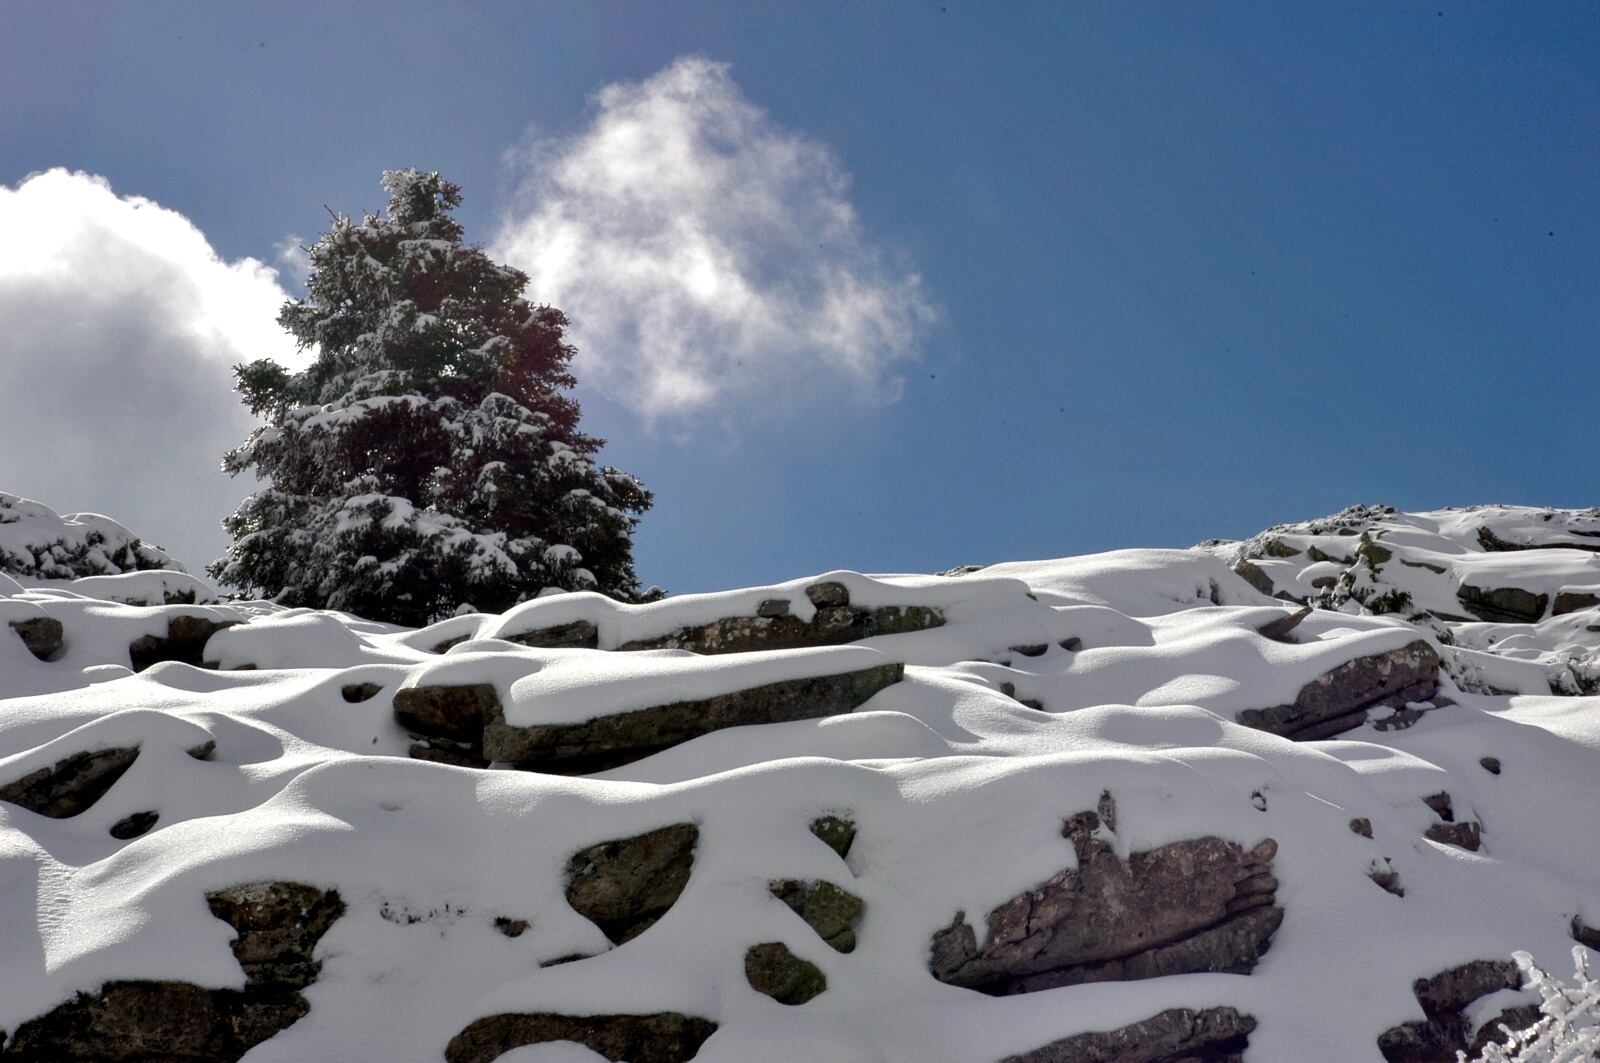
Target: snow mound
(1512, 591)
(821, 864)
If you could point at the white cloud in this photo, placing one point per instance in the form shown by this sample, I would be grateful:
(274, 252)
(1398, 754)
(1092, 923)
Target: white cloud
(706, 256)
(120, 329)
(294, 259)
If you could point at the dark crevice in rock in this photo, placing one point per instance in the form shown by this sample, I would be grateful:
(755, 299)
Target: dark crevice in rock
(44, 636)
(278, 924)
(1445, 998)
(622, 738)
(130, 827)
(1178, 1035)
(1342, 698)
(359, 692)
(664, 1037)
(185, 642)
(624, 886)
(1199, 905)
(72, 784)
(772, 969)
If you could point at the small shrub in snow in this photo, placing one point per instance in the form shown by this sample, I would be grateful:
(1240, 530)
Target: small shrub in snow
(1568, 1032)
(429, 456)
(38, 543)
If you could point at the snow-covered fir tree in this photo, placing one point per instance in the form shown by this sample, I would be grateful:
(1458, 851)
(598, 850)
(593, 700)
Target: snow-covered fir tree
(429, 458)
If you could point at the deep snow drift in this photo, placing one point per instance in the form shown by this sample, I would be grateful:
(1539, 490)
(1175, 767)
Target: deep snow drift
(1400, 783)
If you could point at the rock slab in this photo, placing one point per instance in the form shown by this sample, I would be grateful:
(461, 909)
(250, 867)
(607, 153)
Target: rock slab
(663, 1037)
(1178, 1035)
(1340, 699)
(624, 886)
(1200, 905)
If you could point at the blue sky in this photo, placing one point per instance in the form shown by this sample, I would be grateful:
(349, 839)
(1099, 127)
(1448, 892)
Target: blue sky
(1187, 269)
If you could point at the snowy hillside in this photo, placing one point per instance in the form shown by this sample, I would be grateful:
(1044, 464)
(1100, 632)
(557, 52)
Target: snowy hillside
(1132, 807)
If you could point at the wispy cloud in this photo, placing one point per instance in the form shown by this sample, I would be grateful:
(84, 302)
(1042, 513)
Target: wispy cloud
(707, 256)
(121, 328)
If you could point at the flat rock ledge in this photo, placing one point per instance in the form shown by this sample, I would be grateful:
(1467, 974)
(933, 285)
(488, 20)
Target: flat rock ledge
(1178, 1035)
(1200, 905)
(279, 924)
(624, 886)
(622, 738)
(664, 1037)
(834, 623)
(1445, 1029)
(1341, 699)
(72, 784)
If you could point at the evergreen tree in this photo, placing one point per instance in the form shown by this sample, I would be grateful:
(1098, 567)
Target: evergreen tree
(428, 458)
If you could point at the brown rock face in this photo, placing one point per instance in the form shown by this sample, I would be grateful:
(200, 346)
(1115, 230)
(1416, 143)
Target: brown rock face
(72, 784)
(624, 886)
(1179, 1035)
(43, 635)
(185, 642)
(279, 924)
(1444, 998)
(1340, 699)
(453, 712)
(609, 741)
(1199, 905)
(664, 1037)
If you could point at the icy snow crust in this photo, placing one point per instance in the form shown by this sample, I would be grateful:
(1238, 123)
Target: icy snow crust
(957, 789)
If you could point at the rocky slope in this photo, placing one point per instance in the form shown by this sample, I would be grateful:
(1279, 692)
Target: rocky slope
(1134, 807)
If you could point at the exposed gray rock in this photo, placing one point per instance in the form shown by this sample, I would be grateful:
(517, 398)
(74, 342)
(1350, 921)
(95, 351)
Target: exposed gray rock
(832, 912)
(279, 924)
(1464, 835)
(511, 928)
(1178, 1035)
(454, 712)
(1566, 602)
(1490, 764)
(823, 595)
(621, 738)
(580, 634)
(772, 969)
(1444, 998)
(1361, 825)
(832, 625)
(773, 608)
(836, 832)
(43, 635)
(357, 692)
(624, 886)
(664, 1037)
(1340, 699)
(1199, 905)
(185, 642)
(1584, 934)
(72, 784)
(1503, 605)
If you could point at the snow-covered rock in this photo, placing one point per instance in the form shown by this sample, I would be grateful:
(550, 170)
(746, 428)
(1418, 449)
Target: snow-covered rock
(1116, 807)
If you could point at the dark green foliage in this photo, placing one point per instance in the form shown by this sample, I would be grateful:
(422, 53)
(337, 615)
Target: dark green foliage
(428, 458)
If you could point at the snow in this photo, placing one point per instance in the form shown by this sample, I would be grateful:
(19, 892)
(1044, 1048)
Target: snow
(957, 789)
